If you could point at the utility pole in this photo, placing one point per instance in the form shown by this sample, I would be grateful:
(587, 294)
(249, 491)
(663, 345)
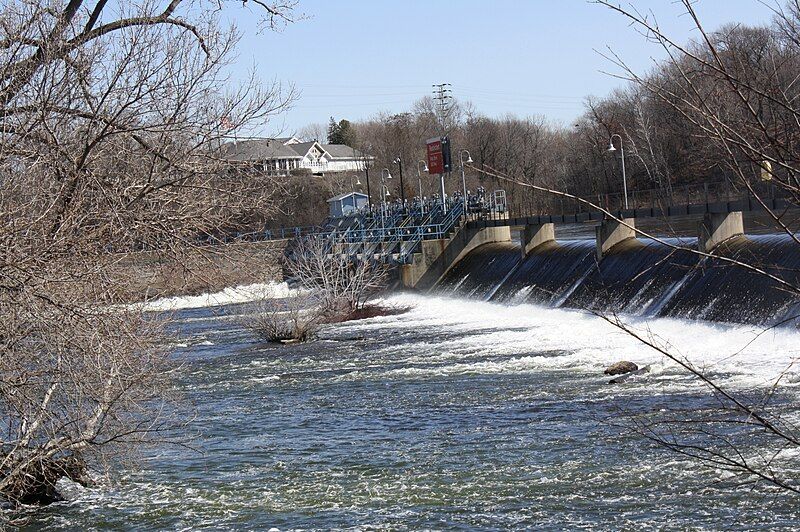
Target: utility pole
(399, 163)
(366, 176)
(443, 97)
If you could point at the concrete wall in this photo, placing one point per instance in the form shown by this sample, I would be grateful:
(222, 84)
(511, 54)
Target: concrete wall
(436, 257)
(611, 232)
(533, 236)
(717, 228)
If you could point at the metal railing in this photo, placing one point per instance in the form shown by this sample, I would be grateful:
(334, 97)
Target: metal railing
(399, 231)
(440, 230)
(394, 237)
(540, 203)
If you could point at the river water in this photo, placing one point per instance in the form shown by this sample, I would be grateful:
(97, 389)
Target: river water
(458, 414)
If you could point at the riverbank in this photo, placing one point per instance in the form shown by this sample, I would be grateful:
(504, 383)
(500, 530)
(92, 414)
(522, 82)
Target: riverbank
(146, 276)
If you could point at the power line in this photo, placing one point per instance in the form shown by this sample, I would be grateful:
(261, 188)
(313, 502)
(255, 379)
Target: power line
(359, 86)
(497, 92)
(347, 104)
(360, 96)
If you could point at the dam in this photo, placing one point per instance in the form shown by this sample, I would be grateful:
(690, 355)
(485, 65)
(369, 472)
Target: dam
(721, 260)
(642, 278)
(718, 256)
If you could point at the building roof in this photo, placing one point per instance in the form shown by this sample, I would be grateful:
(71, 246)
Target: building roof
(342, 151)
(346, 195)
(258, 150)
(283, 148)
(302, 148)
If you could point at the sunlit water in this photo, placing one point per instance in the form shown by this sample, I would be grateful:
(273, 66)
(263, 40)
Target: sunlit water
(457, 414)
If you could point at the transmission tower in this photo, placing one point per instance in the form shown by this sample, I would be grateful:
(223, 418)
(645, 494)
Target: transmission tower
(443, 96)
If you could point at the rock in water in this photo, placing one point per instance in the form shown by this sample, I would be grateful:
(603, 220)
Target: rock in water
(626, 376)
(621, 367)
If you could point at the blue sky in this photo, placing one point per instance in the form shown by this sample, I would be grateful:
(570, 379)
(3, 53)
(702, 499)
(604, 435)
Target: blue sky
(353, 58)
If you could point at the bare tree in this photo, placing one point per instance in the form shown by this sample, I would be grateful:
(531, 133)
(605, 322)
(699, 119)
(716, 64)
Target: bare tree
(341, 284)
(333, 287)
(110, 124)
(311, 132)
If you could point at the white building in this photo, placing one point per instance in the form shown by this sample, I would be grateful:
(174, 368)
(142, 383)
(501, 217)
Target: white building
(279, 157)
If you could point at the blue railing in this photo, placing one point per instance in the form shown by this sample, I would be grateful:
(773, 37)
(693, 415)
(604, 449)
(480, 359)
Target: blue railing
(399, 231)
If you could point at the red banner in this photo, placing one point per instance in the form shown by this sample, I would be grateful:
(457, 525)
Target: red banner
(435, 158)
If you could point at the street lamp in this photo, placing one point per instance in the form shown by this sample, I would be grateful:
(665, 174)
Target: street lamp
(385, 174)
(399, 162)
(622, 153)
(463, 177)
(419, 177)
(356, 184)
(366, 173)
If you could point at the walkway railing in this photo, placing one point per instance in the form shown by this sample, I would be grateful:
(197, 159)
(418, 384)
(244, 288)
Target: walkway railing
(395, 236)
(530, 203)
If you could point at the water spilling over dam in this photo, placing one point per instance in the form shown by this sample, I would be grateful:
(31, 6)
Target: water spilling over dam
(641, 278)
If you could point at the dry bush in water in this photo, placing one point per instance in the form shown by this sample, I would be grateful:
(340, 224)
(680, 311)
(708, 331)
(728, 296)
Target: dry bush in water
(341, 284)
(334, 288)
(110, 125)
(295, 319)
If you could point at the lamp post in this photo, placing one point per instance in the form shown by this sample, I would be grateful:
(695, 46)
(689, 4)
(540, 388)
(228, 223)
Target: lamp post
(366, 172)
(399, 162)
(353, 190)
(354, 185)
(419, 178)
(463, 176)
(385, 174)
(622, 153)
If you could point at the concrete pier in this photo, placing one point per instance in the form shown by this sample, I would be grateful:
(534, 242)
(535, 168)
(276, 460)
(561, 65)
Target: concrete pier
(436, 257)
(611, 232)
(716, 228)
(533, 236)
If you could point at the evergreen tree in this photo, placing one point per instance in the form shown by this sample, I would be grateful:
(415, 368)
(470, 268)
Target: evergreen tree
(342, 132)
(333, 130)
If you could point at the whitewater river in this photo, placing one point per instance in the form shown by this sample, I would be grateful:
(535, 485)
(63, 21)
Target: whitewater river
(458, 414)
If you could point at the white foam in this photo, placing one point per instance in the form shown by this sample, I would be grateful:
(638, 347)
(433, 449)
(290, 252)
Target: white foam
(228, 296)
(747, 355)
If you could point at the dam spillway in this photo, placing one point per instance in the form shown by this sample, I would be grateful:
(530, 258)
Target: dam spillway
(642, 278)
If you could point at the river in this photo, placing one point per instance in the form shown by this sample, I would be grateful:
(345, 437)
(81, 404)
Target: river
(459, 414)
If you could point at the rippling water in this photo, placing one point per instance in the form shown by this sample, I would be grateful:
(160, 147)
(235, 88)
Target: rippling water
(458, 414)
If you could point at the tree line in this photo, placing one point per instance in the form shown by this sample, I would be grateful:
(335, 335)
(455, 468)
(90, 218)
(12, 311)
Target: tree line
(662, 117)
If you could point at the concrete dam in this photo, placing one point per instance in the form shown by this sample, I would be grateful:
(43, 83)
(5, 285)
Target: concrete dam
(636, 277)
(647, 260)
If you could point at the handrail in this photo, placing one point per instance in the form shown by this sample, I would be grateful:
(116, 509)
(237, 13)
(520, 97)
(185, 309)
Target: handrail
(421, 231)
